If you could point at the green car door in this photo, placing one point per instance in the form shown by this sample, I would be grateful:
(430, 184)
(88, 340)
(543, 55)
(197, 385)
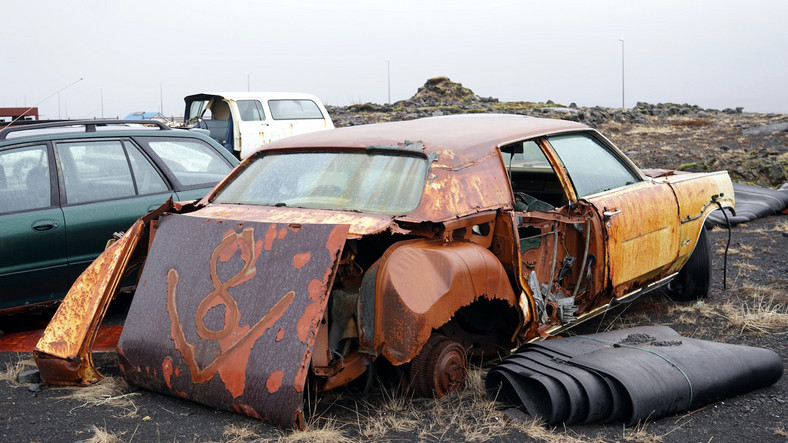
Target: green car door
(33, 265)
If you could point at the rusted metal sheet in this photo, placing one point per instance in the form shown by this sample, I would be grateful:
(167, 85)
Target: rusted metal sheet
(420, 285)
(642, 233)
(360, 224)
(26, 341)
(226, 313)
(63, 353)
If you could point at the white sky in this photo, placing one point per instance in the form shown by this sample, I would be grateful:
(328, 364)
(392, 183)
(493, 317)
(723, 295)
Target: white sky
(140, 55)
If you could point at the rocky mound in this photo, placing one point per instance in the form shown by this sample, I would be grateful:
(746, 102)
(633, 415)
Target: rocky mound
(753, 147)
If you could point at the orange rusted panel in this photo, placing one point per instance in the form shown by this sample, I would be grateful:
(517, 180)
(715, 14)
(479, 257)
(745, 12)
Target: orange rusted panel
(63, 353)
(466, 190)
(421, 285)
(642, 236)
(233, 325)
(360, 224)
(698, 195)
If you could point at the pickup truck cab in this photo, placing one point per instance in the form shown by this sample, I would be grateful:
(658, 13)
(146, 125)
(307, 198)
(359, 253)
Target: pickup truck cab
(243, 122)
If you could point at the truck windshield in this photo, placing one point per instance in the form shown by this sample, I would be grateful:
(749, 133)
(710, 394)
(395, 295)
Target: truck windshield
(375, 183)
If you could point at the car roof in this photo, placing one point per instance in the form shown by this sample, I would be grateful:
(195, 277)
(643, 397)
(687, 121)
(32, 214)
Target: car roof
(267, 95)
(79, 129)
(471, 135)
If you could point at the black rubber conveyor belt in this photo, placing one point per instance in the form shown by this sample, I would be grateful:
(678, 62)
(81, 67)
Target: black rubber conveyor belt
(629, 374)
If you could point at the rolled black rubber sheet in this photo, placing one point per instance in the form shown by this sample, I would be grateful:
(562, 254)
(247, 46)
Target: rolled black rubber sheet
(626, 375)
(751, 202)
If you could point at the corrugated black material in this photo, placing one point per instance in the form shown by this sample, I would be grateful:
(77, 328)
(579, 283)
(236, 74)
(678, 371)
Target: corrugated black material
(629, 374)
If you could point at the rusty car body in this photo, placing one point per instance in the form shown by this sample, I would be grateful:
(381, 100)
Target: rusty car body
(412, 243)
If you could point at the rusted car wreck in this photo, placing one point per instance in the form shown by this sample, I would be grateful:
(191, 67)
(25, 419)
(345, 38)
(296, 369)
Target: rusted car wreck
(416, 243)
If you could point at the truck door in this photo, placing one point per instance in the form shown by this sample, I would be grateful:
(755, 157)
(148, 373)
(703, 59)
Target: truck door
(253, 127)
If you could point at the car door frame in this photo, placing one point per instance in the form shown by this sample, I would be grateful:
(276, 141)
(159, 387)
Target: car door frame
(47, 272)
(641, 240)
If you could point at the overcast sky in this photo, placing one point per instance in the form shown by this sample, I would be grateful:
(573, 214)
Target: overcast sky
(146, 55)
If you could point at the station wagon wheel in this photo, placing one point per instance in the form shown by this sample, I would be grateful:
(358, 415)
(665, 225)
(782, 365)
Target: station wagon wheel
(439, 368)
(694, 279)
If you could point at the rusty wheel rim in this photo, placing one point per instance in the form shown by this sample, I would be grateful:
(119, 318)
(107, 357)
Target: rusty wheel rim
(447, 363)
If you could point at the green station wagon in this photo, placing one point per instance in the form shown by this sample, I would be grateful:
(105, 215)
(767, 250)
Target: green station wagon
(67, 187)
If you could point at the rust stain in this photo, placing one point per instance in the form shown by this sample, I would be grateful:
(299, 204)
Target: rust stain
(233, 339)
(274, 381)
(247, 410)
(166, 370)
(280, 334)
(299, 260)
(312, 312)
(270, 236)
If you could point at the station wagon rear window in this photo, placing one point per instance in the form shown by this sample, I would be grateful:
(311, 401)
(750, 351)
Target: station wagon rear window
(373, 183)
(294, 109)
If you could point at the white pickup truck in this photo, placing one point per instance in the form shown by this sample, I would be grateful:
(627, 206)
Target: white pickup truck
(242, 122)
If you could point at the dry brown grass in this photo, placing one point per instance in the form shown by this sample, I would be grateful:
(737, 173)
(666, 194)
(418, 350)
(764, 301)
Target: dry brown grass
(12, 370)
(692, 123)
(650, 130)
(744, 251)
(467, 414)
(745, 269)
(640, 434)
(763, 317)
(318, 430)
(689, 313)
(109, 391)
(756, 310)
(395, 413)
(102, 436)
(236, 434)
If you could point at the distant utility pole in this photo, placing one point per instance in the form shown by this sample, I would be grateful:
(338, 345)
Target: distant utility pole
(622, 73)
(388, 80)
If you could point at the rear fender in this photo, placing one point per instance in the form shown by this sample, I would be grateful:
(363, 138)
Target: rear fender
(419, 285)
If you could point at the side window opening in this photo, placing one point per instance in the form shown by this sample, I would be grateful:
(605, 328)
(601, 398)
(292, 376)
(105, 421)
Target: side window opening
(24, 179)
(291, 109)
(251, 110)
(535, 185)
(95, 171)
(591, 166)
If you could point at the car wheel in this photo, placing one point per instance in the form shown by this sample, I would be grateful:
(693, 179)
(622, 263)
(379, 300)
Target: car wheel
(439, 368)
(694, 279)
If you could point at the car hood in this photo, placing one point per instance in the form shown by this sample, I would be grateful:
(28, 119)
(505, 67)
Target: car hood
(360, 224)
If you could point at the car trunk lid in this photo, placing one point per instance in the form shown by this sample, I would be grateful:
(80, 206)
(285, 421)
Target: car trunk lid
(226, 312)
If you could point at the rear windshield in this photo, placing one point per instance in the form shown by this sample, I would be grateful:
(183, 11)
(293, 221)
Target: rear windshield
(294, 109)
(373, 183)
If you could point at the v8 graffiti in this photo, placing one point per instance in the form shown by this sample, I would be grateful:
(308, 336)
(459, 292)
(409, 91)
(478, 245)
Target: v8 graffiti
(236, 331)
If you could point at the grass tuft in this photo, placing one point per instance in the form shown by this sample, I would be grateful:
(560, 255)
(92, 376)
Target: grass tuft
(110, 391)
(102, 436)
(237, 434)
(640, 434)
(317, 430)
(13, 369)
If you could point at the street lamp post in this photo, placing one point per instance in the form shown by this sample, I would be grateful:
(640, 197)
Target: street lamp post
(388, 79)
(622, 73)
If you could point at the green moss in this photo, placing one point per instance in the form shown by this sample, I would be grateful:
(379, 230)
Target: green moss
(693, 166)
